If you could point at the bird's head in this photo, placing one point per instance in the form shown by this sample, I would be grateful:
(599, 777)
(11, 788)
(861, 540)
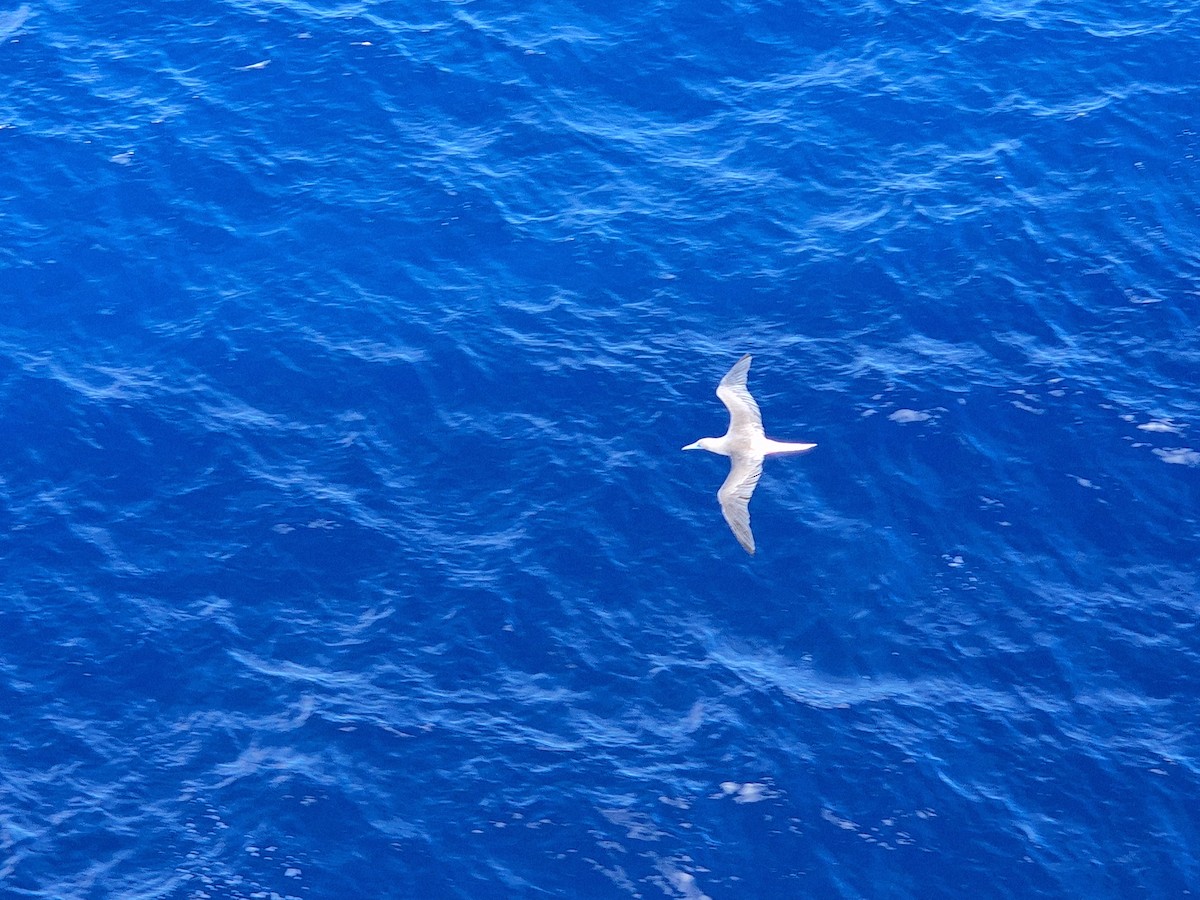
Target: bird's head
(702, 444)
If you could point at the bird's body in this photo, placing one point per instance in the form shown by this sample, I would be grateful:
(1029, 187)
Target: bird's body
(746, 445)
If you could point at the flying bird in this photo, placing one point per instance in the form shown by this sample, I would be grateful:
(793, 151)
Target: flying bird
(746, 445)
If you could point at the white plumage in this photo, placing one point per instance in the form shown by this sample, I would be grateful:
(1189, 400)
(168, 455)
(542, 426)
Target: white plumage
(746, 445)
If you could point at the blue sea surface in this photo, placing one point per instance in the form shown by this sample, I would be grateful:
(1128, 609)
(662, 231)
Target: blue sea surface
(347, 349)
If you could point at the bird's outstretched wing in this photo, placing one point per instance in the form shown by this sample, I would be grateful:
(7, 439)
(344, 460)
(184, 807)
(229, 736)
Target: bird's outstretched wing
(743, 411)
(735, 493)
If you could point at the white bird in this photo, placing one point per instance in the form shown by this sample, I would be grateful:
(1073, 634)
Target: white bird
(746, 445)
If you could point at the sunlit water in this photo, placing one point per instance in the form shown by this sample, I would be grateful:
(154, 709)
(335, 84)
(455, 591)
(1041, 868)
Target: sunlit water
(346, 353)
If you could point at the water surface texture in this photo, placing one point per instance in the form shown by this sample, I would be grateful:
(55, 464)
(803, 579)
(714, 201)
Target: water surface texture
(346, 352)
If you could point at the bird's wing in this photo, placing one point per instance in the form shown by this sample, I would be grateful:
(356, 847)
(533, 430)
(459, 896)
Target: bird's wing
(743, 411)
(744, 472)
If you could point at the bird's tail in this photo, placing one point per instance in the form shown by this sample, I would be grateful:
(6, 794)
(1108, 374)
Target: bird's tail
(786, 447)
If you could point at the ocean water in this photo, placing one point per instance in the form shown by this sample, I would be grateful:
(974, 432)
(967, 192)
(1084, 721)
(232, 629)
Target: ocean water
(346, 353)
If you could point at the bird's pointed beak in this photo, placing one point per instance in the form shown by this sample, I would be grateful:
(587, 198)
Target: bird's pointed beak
(695, 446)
